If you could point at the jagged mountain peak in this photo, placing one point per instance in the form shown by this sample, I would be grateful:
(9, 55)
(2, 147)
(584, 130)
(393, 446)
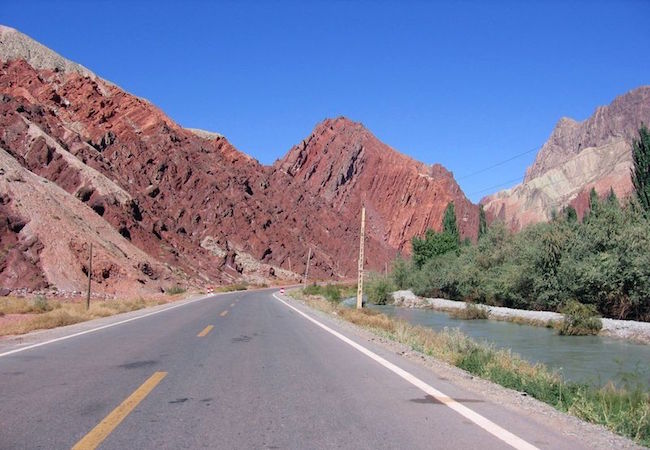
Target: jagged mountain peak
(619, 120)
(595, 153)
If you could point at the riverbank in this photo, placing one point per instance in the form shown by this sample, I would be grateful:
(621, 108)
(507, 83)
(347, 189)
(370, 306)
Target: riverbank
(622, 411)
(620, 329)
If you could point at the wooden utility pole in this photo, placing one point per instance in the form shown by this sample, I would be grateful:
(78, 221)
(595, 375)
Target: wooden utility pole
(90, 272)
(307, 268)
(361, 239)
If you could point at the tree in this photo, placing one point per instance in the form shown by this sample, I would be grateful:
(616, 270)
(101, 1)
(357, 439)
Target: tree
(641, 169)
(400, 272)
(434, 244)
(612, 200)
(571, 214)
(449, 222)
(482, 222)
(594, 204)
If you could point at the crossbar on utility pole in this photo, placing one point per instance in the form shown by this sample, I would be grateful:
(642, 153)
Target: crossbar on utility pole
(361, 240)
(307, 268)
(90, 271)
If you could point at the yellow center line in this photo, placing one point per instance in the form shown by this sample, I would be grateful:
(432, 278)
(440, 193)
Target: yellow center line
(104, 428)
(223, 314)
(205, 331)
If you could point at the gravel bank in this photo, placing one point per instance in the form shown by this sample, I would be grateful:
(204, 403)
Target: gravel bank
(621, 329)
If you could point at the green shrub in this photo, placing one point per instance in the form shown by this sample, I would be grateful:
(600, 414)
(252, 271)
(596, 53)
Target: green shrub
(433, 245)
(579, 319)
(400, 272)
(41, 305)
(603, 261)
(331, 292)
(174, 290)
(470, 312)
(379, 289)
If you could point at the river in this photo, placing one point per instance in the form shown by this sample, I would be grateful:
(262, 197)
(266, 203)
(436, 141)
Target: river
(590, 359)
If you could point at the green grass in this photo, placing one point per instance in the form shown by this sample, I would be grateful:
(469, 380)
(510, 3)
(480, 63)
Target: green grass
(626, 412)
(332, 292)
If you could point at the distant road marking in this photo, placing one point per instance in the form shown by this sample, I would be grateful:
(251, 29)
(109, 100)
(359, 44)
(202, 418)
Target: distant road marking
(92, 330)
(489, 426)
(223, 314)
(104, 428)
(232, 304)
(205, 331)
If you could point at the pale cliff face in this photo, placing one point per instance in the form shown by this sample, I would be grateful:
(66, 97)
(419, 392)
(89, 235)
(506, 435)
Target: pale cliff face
(577, 156)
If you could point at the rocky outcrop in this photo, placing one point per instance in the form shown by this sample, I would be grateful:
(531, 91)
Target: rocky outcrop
(47, 233)
(343, 163)
(578, 156)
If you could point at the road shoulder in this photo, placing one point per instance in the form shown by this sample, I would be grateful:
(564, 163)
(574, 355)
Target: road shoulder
(513, 401)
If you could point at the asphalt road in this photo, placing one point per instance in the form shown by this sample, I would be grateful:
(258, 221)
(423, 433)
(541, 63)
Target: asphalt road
(264, 376)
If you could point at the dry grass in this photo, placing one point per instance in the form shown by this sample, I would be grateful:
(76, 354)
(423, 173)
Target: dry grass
(513, 319)
(626, 412)
(470, 312)
(38, 313)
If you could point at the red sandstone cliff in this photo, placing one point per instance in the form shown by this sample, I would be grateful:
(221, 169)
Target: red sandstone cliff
(343, 163)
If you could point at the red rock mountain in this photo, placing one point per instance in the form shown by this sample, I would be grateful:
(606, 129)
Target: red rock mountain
(84, 162)
(577, 156)
(344, 164)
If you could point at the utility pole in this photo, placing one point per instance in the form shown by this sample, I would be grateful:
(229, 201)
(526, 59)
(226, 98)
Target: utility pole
(90, 271)
(307, 268)
(361, 239)
(290, 264)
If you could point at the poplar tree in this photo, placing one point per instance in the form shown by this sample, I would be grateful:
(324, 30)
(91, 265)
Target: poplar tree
(641, 169)
(482, 222)
(449, 222)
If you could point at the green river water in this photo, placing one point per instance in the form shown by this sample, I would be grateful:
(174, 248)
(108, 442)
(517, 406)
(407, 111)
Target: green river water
(590, 359)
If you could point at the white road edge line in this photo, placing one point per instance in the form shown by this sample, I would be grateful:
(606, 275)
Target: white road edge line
(92, 330)
(489, 426)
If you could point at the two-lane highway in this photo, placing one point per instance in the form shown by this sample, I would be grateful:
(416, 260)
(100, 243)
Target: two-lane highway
(241, 370)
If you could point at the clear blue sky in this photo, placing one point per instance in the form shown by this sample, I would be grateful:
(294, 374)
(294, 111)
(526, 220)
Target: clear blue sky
(465, 84)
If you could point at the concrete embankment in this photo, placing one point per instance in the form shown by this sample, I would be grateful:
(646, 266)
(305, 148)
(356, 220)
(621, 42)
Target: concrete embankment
(621, 329)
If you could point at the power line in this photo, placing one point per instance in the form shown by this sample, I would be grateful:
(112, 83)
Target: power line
(500, 163)
(519, 178)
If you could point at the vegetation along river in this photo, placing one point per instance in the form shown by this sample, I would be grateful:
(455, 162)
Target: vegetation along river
(589, 359)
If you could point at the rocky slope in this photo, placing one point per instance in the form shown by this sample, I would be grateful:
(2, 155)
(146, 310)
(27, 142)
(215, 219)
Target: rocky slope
(343, 163)
(167, 205)
(577, 156)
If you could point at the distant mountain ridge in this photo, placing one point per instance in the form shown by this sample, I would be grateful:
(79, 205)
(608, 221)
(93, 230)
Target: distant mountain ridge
(576, 157)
